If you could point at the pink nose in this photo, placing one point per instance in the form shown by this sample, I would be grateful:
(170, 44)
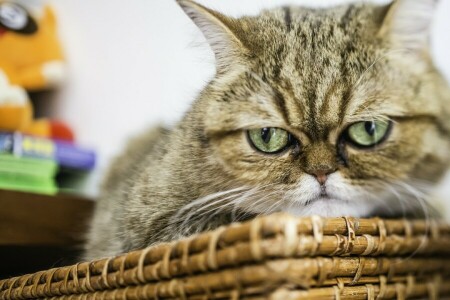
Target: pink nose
(321, 176)
(321, 172)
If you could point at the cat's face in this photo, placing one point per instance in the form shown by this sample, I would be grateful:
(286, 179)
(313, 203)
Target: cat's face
(331, 112)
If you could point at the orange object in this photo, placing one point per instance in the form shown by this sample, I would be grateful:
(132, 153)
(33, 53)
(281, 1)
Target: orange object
(16, 112)
(38, 128)
(30, 52)
(30, 59)
(61, 131)
(50, 129)
(15, 117)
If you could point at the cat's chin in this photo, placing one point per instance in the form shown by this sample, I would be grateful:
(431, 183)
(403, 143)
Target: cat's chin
(330, 207)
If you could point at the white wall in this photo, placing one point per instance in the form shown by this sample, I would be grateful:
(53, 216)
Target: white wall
(137, 62)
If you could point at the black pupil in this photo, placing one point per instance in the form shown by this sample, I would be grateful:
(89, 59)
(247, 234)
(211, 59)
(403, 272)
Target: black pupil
(370, 128)
(265, 135)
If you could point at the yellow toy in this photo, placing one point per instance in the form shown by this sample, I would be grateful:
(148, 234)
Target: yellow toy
(30, 59)
(16, 112)
(30, 53)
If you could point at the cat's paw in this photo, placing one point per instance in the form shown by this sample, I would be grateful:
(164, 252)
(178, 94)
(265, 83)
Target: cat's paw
(54, 72)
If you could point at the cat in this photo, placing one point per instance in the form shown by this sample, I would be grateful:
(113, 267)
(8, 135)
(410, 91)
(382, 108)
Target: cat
(332, 111)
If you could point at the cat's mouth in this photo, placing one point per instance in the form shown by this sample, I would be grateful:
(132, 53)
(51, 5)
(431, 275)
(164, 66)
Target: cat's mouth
(2, 31)
(323, 197)
(318, 199)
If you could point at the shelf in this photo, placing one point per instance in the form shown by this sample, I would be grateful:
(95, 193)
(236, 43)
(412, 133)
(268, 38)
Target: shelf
(38, 232)
(39, 220)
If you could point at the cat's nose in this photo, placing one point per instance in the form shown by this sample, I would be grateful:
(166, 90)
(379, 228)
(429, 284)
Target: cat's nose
(319, 160)
(321, 174)
(321, 177)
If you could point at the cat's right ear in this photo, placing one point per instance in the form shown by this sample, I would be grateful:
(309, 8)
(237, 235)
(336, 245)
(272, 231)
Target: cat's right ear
(220, 31)
(408, 24)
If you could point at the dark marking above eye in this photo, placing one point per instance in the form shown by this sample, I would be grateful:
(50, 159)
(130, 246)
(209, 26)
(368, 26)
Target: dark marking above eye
(347, 16)
(280, 101)
(287, 17)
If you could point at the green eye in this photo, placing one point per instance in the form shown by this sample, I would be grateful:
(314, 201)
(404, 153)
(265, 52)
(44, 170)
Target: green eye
(269, 139)
(368, 133)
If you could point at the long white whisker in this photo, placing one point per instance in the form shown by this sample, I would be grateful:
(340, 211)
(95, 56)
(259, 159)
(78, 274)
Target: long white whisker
(209, 198)
(419, 196)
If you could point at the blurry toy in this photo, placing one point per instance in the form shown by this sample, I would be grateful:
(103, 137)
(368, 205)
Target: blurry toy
(16, 114)
(30, 52)
(52, 129)
(16, 111)
(30, 59)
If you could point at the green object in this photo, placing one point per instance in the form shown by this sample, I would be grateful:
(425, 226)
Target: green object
(269, 140)
(28, 184)
(368, 133)
(28, 174)
(28, 166)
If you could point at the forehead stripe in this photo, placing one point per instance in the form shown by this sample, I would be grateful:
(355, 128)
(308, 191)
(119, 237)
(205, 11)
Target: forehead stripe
(287, 17)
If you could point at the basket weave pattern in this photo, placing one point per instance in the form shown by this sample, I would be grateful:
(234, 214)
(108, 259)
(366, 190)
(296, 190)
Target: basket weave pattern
(274, 257)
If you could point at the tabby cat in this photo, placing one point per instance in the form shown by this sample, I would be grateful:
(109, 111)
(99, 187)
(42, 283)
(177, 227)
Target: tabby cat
(332, 111)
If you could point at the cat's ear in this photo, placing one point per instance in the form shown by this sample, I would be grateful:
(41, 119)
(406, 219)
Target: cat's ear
(219, 30)
(408, 24)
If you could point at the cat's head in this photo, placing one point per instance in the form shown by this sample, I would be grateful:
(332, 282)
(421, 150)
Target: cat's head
(334, 111)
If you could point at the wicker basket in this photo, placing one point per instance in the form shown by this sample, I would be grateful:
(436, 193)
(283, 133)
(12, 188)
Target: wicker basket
(276, 257)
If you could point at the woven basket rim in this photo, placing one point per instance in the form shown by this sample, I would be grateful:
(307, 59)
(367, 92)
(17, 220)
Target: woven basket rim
(324, 250)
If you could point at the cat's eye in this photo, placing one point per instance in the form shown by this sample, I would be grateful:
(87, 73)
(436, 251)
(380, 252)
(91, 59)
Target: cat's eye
(270, 139)
(368, 133)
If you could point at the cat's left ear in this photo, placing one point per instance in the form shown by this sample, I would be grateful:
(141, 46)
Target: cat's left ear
(408, 24)
(220, 31)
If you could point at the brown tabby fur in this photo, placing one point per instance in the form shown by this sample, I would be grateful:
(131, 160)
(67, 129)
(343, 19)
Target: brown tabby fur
(309, 71)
